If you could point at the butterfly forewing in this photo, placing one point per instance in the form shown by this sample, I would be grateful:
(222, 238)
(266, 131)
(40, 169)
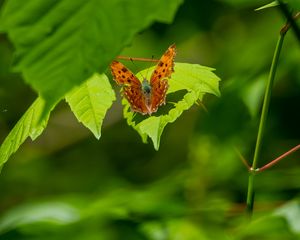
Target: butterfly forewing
(123, 76)
(159, 78)
(132, 88)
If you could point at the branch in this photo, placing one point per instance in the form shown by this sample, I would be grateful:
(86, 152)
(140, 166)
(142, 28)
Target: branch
(137, 59)
(291, 20)
(287, 26)
(270, 164)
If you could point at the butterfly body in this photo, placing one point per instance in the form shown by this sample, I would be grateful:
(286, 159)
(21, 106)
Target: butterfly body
(146, 87)
(145, 97)
(146, 90)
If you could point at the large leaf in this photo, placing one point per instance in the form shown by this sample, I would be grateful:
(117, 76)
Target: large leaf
(30, 125)
(59, 44)
(90, 101)
(188, 84)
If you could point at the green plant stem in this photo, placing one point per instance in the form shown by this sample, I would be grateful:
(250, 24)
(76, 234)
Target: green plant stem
(262, 124)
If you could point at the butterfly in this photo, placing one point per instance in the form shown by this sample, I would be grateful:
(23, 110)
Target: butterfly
(145, 97)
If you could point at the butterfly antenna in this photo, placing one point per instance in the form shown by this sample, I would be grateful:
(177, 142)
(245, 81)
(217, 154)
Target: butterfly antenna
(135, 67)
(201, 104)
(152, 57)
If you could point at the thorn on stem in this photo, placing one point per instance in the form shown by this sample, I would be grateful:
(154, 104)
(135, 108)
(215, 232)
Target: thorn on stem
(241, 157)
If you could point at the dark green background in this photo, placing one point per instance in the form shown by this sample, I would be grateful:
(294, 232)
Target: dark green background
(195, 186)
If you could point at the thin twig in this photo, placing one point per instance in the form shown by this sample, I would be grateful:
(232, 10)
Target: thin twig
(287, 26)
(137, 59)
(270, 164)
(286, 12)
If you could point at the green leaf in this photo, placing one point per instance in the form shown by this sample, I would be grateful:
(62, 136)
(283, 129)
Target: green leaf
(282, 223)
(269, 5)
(30, 125)
(291, 212)
(90, 101)
(44, 213)
(62, 43)
(188, 84)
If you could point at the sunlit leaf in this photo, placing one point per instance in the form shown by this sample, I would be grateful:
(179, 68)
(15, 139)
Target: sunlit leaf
(30, 125)
(188, 85)
(90, 101)
(59, 44)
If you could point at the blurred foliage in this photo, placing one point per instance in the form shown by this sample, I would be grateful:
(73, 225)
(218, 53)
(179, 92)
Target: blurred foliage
(69, 185)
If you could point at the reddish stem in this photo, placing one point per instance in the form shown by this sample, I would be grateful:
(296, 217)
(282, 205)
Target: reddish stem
(270, 164)
(287, 26)
(137, 59)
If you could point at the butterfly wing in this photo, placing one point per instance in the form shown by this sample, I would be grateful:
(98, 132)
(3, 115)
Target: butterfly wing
(132, 87)
(159, 78)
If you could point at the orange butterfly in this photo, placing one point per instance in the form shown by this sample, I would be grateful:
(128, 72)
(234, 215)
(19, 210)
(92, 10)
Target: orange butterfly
(146, 97)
